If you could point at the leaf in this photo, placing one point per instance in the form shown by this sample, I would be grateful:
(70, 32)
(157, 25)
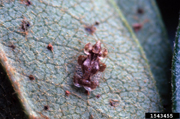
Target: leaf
(176, 73)
(153, 38)
(128, 78)
(9, 104)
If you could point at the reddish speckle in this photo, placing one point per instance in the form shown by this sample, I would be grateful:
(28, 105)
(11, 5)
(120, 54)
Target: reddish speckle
(67, 93)
(50, 47)
(31, 77)
(98, 96)
(137, 26)
(46, 107)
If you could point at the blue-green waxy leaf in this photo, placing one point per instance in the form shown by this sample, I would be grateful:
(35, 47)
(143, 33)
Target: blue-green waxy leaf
(176, 72)
(153, 38)
(127, 78)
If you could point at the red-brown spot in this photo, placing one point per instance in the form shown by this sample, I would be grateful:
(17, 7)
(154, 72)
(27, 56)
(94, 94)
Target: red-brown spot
(31, 77)
(67, 93)
(46, 107)
(98, 96)
(137, 26)
(50, 47)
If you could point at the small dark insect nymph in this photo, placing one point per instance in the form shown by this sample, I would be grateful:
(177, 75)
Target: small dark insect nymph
(89, 68)
(25, 26)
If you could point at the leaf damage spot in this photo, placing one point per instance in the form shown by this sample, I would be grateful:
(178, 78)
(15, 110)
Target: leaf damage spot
(140, 11)
(67, 93)
(31, 77)
(50, 47)
(97, 23)
(98, 96)
(89, 65)
(12, 46)
(138, 26)
(46, 107)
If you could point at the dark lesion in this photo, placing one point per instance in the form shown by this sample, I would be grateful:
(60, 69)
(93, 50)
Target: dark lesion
(90, 65)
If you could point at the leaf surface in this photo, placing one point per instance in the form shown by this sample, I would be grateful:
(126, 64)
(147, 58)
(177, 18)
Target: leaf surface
(153, 38)
(128, 78)
(176, 73)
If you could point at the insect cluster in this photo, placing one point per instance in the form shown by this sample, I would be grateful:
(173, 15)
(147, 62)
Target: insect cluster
(89, 68)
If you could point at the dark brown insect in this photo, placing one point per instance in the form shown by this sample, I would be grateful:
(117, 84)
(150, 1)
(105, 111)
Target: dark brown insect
(12, 46)
(89, 68)
(50, 47)
(67, 93)
(25, 26)
(46, 107)
(113, 102)
(140, 11)
(31, 77)
(98, 96)
(28, 2)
